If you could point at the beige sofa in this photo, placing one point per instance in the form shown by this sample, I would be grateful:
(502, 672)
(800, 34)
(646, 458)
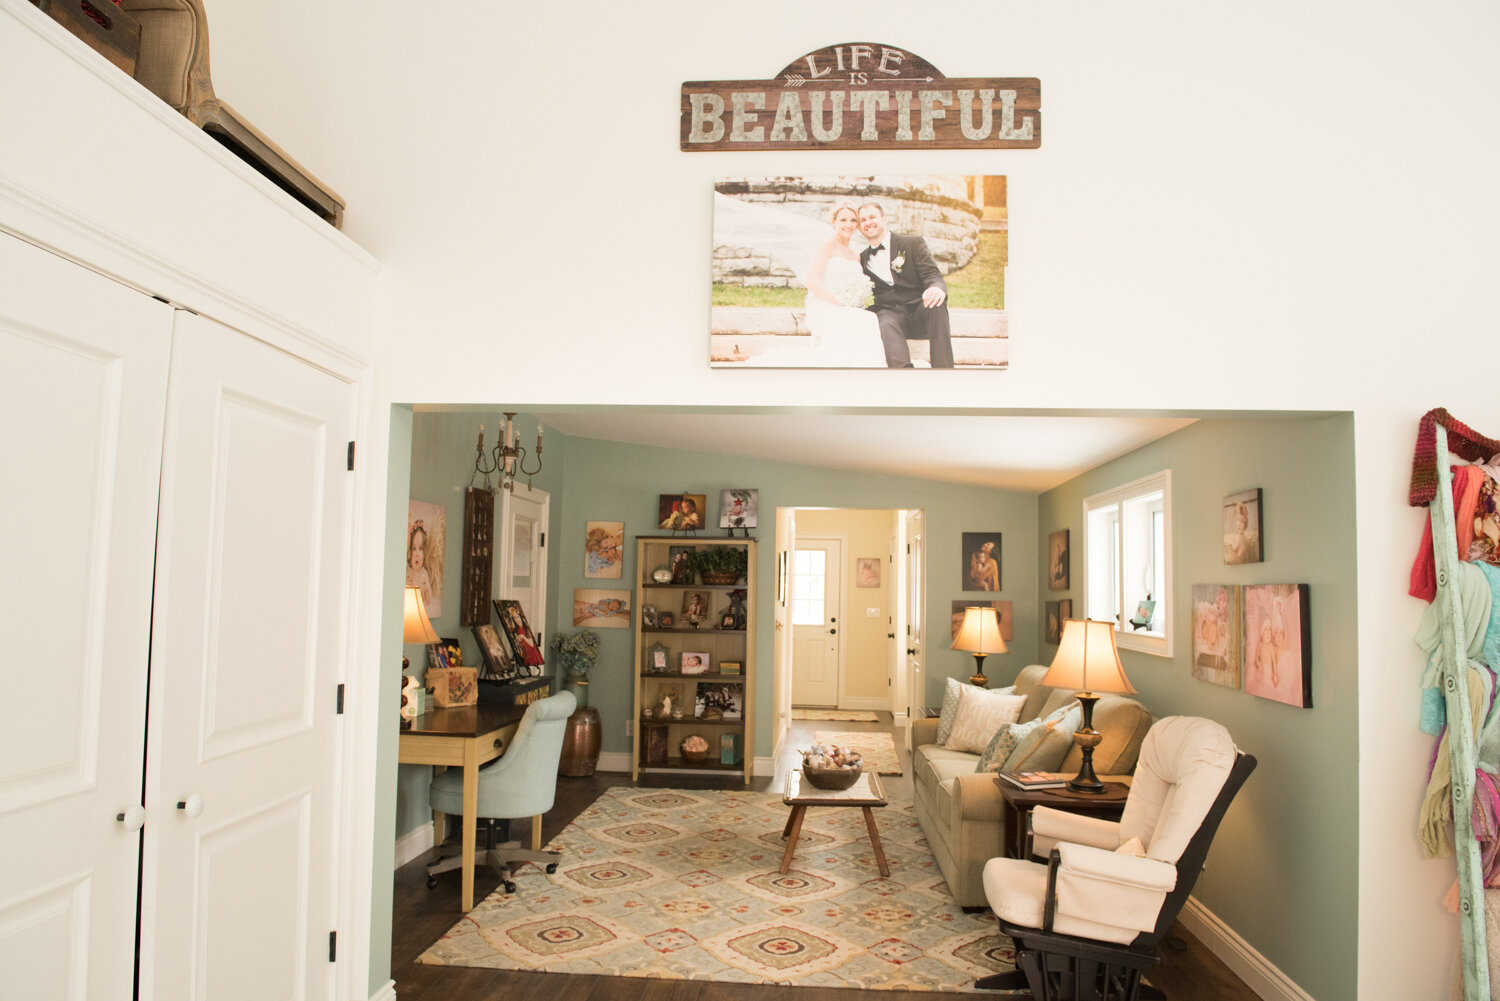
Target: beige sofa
(959, 808)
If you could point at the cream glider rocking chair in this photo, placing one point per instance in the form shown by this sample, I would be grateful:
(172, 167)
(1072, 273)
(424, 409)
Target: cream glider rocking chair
(1086, 923)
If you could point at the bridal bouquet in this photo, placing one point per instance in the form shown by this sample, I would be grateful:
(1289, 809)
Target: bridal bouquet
(857, 291)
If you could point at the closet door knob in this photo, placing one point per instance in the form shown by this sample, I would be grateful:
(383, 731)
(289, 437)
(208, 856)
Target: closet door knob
(134, 818)
(192, 806)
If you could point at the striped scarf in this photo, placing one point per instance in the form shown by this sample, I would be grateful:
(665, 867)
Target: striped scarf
(1463, 441)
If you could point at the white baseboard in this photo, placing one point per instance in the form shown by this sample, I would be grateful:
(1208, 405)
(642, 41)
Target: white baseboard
(387, 992)
(866, 704)
(613, 761)
(1268, 982)
(413, 844)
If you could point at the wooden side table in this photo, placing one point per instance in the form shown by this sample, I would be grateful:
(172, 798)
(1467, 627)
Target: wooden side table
(1017, 805)
(865, 793)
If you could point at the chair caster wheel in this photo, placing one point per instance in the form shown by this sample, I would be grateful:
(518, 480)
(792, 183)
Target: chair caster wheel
(432, 882)
(510, 888)
(551, 868)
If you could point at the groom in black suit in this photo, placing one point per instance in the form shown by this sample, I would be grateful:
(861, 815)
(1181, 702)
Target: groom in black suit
(911, 298)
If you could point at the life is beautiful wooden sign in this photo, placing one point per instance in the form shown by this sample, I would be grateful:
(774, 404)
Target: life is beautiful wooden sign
(862, 95)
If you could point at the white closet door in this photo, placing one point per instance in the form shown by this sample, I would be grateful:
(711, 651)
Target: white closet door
(248, 640)
(83, 374)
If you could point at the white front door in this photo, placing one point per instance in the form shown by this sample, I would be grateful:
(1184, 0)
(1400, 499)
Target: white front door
(522, 554)
(83, 376)
(916, 611)
(816, 637)
(248, 644)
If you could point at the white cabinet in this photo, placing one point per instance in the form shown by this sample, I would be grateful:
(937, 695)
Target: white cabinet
(178, 498)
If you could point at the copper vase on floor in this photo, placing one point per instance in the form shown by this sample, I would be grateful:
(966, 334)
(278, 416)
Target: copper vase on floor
(580, 750)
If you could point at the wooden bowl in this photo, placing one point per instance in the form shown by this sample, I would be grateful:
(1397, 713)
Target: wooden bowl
(832, 779)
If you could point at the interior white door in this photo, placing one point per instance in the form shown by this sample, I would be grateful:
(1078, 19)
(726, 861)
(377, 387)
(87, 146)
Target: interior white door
(83, 379)
(916, 611)
(522, 554)
(817, 582)
(248, 645)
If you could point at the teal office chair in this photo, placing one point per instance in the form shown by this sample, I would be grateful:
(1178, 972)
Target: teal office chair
(522, 782)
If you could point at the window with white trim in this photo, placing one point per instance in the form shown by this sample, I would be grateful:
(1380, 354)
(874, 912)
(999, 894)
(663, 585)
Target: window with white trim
(1128, 562)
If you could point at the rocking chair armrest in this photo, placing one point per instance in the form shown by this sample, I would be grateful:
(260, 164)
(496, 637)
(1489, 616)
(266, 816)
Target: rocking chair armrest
(1124, 870)
(1075, 828)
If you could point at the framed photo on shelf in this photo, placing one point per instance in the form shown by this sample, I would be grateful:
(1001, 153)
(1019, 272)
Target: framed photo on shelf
(680, 512)
(667, 620)
(497, 662)
(518, 633)
(694, 662)
(680, 562)
(739, 508)
(658, 658)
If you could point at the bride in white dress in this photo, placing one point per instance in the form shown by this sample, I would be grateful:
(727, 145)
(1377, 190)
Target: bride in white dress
(844, 333)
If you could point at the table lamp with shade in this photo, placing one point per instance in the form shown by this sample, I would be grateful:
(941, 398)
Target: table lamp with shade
(979, 634)
(416, 627)
(1087, 660)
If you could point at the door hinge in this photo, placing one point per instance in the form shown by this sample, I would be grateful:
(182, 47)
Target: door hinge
(339, 705)
(544, 541)
(351, 456)
(333, 946)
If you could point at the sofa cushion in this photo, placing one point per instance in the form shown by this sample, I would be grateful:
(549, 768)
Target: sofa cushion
(936, 764)
(1003, 744)
(980, 714)
(951, 691)
(1045, 747)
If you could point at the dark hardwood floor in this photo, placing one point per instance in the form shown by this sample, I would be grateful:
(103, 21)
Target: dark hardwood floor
(1189, 972)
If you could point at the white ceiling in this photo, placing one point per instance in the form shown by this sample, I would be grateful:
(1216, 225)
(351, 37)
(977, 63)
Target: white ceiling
(1007, 452)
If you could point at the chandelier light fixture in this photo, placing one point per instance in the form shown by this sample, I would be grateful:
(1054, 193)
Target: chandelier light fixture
(507, 458)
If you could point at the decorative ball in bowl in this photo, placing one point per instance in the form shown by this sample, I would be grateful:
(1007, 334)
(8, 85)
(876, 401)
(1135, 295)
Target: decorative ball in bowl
(831, 768)
(694, 748)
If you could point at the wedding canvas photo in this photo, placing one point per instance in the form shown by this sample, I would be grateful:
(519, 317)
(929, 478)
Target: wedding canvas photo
(870, 271)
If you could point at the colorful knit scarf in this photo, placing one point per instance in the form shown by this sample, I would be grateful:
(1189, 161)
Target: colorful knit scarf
(1463, 441)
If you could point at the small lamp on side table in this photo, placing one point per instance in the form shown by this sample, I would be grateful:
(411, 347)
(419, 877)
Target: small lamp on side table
(416, 627)
(979, 634)
(1087, 660)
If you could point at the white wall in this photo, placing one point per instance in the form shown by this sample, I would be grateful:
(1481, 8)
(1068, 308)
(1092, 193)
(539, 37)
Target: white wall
(1273, 206)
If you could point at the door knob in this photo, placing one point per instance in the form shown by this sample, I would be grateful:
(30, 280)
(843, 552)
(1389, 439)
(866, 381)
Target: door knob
(134, 818)
(192, 806)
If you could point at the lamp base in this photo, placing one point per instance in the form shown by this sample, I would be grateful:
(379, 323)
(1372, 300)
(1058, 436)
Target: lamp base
(978, 678)
(1087, 738)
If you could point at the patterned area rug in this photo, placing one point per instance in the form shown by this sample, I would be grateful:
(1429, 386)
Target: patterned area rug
(878, 749)
(678, 884)
(836, 715)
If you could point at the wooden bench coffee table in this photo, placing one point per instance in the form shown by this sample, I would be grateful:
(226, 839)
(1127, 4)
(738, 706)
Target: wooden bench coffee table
(800, 794)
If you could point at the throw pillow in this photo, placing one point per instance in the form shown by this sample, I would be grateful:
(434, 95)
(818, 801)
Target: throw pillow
(980, 713)
(950, 707)
(1045, 747)
(1003, 743)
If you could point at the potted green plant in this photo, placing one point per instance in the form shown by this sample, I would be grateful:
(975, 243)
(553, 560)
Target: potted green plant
(720, 564)
(576, 654)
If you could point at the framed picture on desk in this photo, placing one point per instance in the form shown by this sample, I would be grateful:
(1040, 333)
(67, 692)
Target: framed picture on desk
(518, 632)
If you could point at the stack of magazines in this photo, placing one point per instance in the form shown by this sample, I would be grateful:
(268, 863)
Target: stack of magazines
(1036, 780)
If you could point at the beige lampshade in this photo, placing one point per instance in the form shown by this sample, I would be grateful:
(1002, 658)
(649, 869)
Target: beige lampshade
(416, 626)
(1087, 659)
(980, 631)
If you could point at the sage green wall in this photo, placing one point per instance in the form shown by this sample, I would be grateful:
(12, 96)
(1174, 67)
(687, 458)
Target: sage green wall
(1283, 869)
(609, 481)
(398, 474)
(866, 643)
(441, 458)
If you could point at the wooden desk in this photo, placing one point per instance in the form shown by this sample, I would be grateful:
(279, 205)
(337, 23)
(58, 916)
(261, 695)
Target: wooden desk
(1017, 805)
(466, 738)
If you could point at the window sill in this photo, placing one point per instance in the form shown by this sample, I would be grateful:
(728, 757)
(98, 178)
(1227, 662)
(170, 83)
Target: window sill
(1156, 644)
